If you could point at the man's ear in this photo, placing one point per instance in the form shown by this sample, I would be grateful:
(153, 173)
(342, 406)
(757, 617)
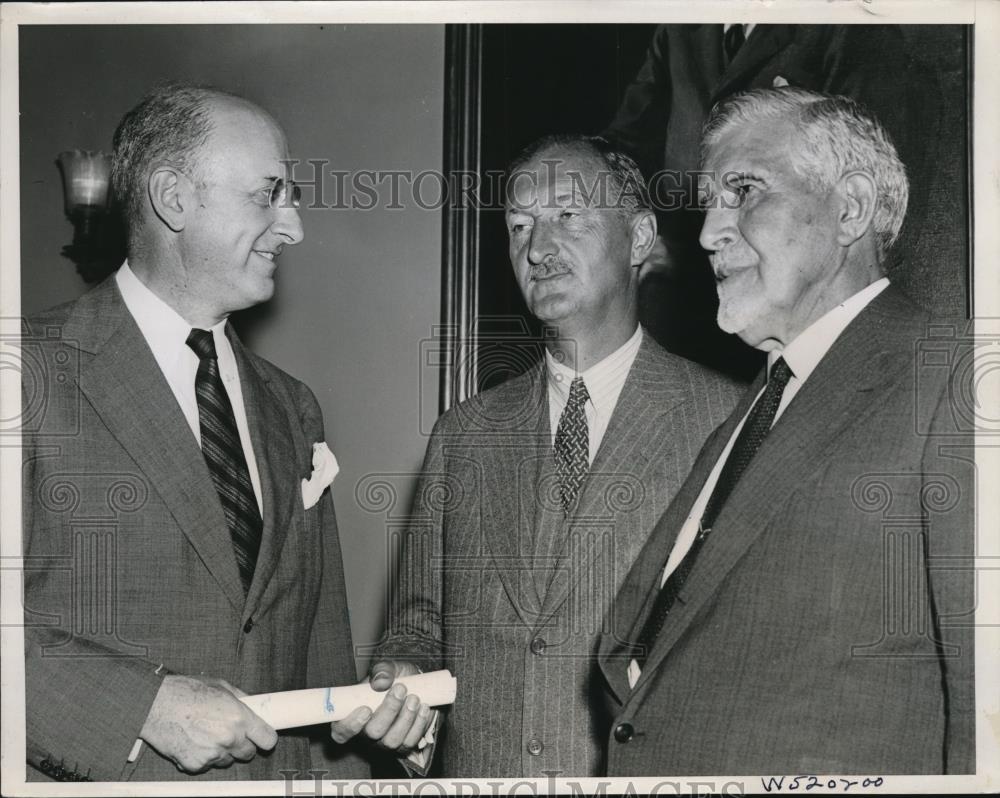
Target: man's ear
(170, 196)
(643, 234)
(858, 197)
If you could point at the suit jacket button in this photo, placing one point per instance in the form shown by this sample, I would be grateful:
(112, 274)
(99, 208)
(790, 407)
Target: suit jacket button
(624, 732)
(248, 626)
(537, 645)
(534, 746)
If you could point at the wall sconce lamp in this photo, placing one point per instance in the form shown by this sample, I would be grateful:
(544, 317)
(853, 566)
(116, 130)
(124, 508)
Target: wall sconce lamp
(86, 177)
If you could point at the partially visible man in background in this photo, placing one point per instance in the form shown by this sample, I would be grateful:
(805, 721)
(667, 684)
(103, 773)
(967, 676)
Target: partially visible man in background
(210, 571)
(537, 495)
(904, 74)
(805, 605)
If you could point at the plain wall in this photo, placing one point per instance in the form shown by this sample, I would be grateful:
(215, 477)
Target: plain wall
(357, 297)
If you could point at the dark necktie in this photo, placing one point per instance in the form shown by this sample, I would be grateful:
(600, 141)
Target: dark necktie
(572, 445)
(751, 436)
(732, 41)
(223, 452)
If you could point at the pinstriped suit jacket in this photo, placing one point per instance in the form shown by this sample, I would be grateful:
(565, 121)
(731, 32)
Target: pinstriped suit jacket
(827, 624)
(129, 564)
(497, 586)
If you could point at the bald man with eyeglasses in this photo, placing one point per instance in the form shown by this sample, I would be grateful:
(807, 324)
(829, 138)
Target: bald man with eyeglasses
(190, 566)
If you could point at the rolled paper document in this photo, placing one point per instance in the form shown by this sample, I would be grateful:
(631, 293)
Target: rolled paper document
(292, 708)
(324, 704)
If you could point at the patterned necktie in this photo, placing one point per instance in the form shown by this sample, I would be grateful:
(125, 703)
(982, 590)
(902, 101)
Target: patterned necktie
(223, 452)
(572, 446)
(732, 41)
(755, 429)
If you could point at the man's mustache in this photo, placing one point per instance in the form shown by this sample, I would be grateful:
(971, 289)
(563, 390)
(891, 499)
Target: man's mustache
(723, 267)
(550, 267)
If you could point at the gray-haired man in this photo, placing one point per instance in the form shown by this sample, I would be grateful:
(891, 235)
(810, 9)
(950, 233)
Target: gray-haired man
(537, 495)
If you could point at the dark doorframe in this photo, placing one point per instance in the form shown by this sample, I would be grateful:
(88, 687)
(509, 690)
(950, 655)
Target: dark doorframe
(508, 84)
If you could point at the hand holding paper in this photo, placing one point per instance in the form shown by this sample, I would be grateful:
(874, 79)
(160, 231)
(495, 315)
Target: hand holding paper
(322, 705)
(203, 723)
(403, 722)
(292, 708)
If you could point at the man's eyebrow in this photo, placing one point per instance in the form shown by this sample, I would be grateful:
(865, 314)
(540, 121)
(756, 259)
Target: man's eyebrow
(760, 175)
(570, 196)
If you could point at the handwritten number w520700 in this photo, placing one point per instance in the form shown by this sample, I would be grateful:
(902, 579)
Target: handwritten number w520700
(806, 783)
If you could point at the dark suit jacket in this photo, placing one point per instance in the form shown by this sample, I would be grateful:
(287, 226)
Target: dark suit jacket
(128, 561)
(826, 626)
(909, 76)
(498, 587)
(685, 74)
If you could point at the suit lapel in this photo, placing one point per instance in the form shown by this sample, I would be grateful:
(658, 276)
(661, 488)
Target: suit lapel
(764, 42)
(126, 388)
(619, 470)
(642, 583)
(837, 393)
(547, 523)
(512, 465)
(279, 465)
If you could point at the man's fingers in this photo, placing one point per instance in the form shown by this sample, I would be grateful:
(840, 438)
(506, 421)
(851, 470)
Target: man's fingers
(260, 733)
(418, 728)
(244, 751)
(400, 727)
(384, 716)
(383, 674)
(343, 730)
(195, 765)
(222, 761)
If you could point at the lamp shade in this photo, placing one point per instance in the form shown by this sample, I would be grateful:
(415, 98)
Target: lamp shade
(86, 176)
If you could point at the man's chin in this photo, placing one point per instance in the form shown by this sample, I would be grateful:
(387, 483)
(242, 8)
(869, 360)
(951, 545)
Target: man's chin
(551, 309)
(258, 294)
(734, 319)
(746, 329)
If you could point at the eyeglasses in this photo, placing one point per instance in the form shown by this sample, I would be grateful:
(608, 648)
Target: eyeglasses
(284, 194)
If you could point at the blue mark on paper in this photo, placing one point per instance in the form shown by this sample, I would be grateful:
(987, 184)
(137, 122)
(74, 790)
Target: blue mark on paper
(327, 703)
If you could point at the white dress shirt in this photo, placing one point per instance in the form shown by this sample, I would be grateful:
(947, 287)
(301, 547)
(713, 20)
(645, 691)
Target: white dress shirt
(166, 334)
(604, 381)
(802, 356)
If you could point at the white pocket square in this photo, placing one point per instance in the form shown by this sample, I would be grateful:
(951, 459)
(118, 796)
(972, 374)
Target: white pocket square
(325, 468)
(779, 82)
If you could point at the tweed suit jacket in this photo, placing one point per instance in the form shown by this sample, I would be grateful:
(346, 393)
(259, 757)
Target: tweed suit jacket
(498, 586)
(826, 626)
(129, 569)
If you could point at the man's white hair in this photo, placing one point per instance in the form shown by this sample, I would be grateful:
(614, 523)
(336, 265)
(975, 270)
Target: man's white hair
(837, 136)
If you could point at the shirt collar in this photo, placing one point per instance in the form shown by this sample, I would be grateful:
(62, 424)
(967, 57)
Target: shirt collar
(601, 379)
(747, 28)
(164, 329)
(805, 352)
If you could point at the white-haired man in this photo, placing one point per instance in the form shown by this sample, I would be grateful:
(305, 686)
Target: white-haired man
(804, 605)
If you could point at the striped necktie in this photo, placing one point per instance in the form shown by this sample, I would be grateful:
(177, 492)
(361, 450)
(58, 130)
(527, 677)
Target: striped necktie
(223, 452)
